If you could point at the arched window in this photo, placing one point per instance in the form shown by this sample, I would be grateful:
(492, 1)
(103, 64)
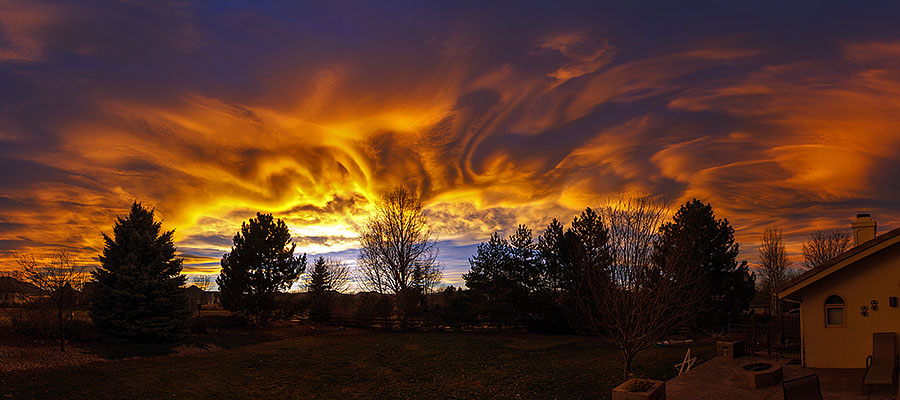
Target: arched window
(834, 311)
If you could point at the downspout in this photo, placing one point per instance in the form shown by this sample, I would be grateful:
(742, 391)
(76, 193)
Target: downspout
(802, 333)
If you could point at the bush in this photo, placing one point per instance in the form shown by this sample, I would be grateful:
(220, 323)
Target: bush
(33, 321)
(38, 322)
(372, 306)
(288, 305)
(204, 324)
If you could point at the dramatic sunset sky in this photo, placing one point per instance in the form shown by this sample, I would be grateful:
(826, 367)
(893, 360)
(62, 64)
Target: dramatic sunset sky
(495, 113)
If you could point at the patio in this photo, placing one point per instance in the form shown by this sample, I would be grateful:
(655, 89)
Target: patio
(714, 380)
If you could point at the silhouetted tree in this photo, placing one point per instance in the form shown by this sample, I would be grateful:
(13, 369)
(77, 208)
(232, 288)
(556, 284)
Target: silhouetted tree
(454, 308)
(397, 254)
(58, 279)
(261, 263)
(516, 280)
(527, 268)
(496, 281)
(821, 246)
(709, 242)
(204, 282)
(630, 295)
(587, 239)
(138, 293)
(324, 282)
(774, 265)
(553, 246)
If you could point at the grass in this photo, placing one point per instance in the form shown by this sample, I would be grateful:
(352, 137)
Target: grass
(370, 365)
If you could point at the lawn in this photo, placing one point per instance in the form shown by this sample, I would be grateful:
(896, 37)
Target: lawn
(368, 365)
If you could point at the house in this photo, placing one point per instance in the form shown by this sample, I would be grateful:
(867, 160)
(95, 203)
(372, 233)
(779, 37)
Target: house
(14, 292)
(843, 301)
(761, 303)
(201, 299)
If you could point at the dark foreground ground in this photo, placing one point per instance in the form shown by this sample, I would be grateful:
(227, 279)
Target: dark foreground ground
(423, 365)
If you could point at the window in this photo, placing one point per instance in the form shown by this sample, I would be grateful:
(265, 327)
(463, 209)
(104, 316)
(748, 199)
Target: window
(834, 311)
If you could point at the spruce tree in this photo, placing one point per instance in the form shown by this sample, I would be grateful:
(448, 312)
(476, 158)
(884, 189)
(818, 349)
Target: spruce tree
(709, 244)
(139, 281)
(261, 264)
(324, 283)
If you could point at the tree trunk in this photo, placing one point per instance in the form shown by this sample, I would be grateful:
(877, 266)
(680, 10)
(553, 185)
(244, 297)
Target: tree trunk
(62, 330)
(628, 356)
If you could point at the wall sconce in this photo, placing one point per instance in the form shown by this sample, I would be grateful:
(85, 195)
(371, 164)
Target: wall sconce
(864, 311)
(874, 304)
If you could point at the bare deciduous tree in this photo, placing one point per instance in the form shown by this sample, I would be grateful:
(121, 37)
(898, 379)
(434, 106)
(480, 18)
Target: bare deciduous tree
(204, 282)
(59, 279)
(823, 245)
(774, 265)
(397, 252)
(636, 298)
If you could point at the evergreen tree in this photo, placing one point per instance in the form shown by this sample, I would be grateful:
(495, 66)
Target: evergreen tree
(709, 244)
(524, 259)
(261, 263)
(496, 292)
(553, 249)
(138, 294)
(587, 241)
(324, 282)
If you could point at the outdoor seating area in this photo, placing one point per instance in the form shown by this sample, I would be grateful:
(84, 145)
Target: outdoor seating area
(718, 379)
(881, 365)
(802, 388)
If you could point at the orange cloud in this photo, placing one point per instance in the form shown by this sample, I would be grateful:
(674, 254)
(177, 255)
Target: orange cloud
(210, 118)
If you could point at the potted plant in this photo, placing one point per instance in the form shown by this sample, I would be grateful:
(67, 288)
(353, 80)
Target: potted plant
(640, 389)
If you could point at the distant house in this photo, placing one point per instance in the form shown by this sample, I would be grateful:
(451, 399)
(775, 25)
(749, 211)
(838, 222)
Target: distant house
(200, 299)
(761, 304)
(14, 292)
(845, 300)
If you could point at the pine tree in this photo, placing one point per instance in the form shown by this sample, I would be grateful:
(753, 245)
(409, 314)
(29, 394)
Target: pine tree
(325, 281)
(709, 244)
(139, 281)
(585, 241)
(261, 264)
(492, 281)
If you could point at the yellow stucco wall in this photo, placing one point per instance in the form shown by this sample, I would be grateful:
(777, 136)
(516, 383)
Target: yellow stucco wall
(848, 346)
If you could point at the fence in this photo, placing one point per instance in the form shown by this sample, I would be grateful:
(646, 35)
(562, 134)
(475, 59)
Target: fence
(779, 336)
(412, 323)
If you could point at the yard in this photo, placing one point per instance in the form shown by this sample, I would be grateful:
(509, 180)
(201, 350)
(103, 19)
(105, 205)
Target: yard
(359, 364)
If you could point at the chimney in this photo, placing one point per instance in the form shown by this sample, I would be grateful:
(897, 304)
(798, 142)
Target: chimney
(863, 229)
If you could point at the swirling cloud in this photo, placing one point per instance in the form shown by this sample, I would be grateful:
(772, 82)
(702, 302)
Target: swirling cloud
(496, 115)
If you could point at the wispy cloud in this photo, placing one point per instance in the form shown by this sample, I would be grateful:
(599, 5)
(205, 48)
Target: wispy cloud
(496, 116)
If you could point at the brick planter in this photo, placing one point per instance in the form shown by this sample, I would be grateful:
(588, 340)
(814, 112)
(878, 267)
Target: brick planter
(730, 350)
(627, 390)
(758, 375)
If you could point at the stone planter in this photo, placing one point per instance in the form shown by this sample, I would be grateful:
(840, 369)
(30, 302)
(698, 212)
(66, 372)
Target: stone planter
(640, 389)
(758, 375)
(730, 350)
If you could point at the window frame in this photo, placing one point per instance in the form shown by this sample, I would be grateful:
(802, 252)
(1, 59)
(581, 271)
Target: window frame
(842, 306)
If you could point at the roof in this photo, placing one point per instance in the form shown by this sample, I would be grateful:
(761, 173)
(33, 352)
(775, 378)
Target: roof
(849, 257)
(760, 299)
(12, 285)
